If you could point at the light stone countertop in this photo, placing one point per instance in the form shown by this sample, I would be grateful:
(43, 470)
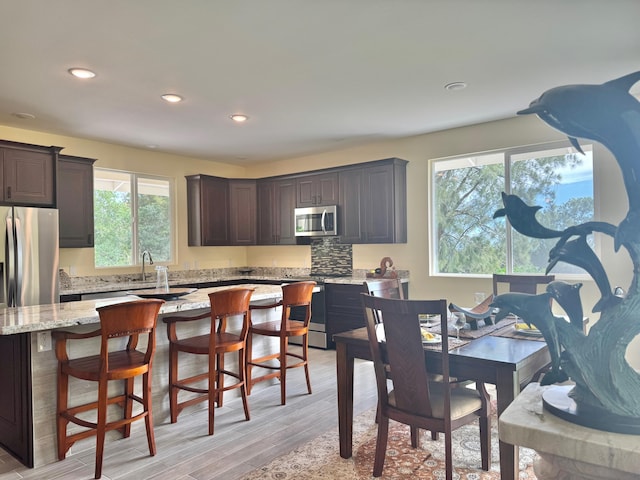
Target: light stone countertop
(100, 287)
(36, 318)
(109, 286)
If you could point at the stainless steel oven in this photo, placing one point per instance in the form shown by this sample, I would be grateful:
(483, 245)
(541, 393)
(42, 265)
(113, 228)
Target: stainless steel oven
(317, 331)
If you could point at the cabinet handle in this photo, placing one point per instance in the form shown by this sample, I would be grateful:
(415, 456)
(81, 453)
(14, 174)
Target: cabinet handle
(8, 192)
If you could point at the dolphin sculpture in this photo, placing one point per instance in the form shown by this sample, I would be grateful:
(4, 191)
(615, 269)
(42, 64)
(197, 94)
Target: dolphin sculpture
(577, 252)
(608, 114)
(536, 310)
(523, 218)
(568, 297)
(597, 361)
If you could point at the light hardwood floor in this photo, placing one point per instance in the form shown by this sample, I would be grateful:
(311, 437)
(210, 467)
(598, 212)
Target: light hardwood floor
(186, 452)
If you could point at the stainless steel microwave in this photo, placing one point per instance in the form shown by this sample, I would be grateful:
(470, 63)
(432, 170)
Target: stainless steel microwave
(316, 221)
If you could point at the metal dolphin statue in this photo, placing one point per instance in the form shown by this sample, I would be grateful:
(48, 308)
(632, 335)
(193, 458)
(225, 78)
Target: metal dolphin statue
(606, 113)
(536, 310)
(596, 361)
(522, 218)
(568, 297)
(578, 252)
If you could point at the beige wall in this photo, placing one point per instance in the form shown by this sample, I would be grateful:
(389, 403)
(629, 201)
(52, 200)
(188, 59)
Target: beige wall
(413, 256)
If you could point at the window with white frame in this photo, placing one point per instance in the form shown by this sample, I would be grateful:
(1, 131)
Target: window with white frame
(466, 192)
(132, 213)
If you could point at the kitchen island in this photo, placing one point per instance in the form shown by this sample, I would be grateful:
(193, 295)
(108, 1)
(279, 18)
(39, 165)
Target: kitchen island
(28, 376)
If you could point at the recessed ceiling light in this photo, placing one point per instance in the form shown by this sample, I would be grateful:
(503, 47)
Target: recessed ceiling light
(455, 86)
(81, 73)
(238, 117)
(24, 116)
(171, 98)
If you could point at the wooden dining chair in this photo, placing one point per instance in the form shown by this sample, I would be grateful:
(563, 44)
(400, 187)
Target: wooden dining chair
(385, 288)
(519, 283)
(392, 288)
(293, 295)
(413, 399)
(122, 320)
(210, 385)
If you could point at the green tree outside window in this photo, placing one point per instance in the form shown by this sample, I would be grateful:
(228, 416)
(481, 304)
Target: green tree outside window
(467, 191)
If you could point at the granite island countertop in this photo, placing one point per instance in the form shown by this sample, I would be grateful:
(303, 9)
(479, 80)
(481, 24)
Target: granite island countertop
(14, 320)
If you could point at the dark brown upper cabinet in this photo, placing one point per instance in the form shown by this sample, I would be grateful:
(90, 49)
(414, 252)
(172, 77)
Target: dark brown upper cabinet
(75, 201)
(207, 210)
(371, 199)
(276, 205)
(28, 174)
(373, 202)
(318, 189)
(350, 204)
(221, 211)
(243, 223)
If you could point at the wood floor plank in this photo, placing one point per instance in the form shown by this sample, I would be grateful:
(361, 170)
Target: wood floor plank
(186, 452)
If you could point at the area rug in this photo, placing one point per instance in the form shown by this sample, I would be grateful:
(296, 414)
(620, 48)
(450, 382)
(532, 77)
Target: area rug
(320, 458)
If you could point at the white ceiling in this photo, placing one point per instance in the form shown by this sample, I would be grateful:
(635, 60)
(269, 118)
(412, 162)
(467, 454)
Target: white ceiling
(313, 75)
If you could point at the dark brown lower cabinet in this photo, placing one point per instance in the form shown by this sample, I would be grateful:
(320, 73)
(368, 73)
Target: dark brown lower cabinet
(344, 308)
(16, 417)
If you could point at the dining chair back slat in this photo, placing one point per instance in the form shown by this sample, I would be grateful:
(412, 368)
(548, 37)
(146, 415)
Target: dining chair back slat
(384, 288)
(519, 283)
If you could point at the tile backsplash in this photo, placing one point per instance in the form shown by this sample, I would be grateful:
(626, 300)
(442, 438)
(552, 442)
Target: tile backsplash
(329, 257)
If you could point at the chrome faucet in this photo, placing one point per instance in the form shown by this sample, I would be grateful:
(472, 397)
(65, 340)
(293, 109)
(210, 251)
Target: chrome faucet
(146, 253)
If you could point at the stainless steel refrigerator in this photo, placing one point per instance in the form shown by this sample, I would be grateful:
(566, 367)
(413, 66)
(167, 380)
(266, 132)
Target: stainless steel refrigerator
(31, 258)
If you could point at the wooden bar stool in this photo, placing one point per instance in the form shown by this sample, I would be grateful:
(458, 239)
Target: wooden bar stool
(293, 295)
(130, 319)
(216, 343)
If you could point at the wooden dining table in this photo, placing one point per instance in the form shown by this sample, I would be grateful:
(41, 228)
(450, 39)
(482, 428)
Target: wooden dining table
(507, 363)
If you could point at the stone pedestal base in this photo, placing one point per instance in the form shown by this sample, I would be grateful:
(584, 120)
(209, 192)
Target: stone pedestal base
(553, 467)
(568, 451)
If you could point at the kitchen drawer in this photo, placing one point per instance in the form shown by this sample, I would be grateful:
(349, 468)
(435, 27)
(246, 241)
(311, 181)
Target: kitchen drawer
(343, 297)
(342, 322)
(70, 297)
(343, 309)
